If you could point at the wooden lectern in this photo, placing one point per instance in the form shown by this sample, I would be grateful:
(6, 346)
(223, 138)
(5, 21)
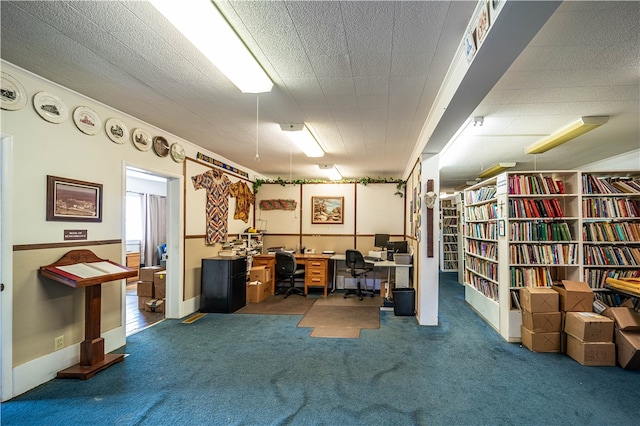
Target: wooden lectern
(83, 269)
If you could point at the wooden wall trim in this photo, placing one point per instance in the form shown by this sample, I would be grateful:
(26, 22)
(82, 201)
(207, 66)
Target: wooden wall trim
(22, 247)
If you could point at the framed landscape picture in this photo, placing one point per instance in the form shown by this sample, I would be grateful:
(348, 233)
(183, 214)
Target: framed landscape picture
(73, 200)
(327, 210)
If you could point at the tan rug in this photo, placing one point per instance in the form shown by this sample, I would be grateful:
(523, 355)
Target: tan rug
(340, 321)
(278, 305)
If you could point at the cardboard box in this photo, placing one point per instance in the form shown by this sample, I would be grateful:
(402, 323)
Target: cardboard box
(540, 342)
(575, 296)
(539, 299)
(258, 291)
(628, 349)
(589, 327)
(144, 288)
(542, 322)
(147, 273)
(142, 302)
(625, 319)
(160, 285)
(154, 305)
(260, 273)
(592, 353)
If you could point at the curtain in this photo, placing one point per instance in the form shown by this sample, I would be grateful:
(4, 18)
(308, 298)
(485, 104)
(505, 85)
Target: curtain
(155, 228)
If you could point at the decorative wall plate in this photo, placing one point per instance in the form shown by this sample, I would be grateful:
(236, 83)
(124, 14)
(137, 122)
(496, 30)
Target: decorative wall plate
(160, 146)
(12, 94)
(116, 130)
(177, 153)
(141, 139)
(50, 107)
(87, 120)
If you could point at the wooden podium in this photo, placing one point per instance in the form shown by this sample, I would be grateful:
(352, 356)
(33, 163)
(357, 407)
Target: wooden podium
(83, 269)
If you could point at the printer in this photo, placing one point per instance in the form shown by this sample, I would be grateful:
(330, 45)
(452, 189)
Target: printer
(396, 247)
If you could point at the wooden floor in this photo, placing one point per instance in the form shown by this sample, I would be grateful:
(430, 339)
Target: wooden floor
(138, 319)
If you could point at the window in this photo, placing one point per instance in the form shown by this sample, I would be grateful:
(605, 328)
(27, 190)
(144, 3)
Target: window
(134, 223)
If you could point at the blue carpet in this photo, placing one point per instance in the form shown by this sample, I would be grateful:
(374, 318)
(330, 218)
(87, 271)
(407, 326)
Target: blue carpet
(263, 370)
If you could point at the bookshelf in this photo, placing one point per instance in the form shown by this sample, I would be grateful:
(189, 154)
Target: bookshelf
(610, 229)
(449, 236)
(480, 239)
(525, 234)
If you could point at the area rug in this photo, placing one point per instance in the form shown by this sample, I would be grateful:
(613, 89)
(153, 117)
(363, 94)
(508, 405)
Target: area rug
(340, 321)
(278, 305)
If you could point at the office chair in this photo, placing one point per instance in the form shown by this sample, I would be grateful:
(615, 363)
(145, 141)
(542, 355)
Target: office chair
(358, 269)
(286, 267)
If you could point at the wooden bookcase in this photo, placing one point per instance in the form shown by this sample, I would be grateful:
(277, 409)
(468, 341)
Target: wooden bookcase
(522, 229)
(449, 222)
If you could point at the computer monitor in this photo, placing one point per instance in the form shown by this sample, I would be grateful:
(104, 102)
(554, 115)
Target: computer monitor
(396, 247)
(381, 240)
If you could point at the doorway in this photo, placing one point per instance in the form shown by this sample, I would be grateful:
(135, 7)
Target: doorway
(146, 243)
(6, 270)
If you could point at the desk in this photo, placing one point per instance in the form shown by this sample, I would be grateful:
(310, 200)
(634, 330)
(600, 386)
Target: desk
(401, 270)
(316, 269)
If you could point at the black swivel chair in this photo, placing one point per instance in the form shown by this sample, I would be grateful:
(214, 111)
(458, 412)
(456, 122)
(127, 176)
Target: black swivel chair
(358, 269)
(286, 267)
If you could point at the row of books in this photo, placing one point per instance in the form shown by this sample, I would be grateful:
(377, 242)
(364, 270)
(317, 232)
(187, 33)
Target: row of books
(609, 299)
(482, 230)
(450, 264)
(450, 256)
(450, 221)
(482, 212)
(483, 248)
(611, 255)
(592, 184)
(482, 267)
(530, 277)
(535, 208)
(540, 231)
(546, 254)
(450, 239)
(596, 278)
(611, 231)
(487, 288)
(610, 207)
(483, 194)
(535, 185)
(450, 247)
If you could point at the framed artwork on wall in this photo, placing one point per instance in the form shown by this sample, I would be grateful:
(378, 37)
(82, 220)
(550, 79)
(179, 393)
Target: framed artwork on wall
(73, 200)
(327, 210)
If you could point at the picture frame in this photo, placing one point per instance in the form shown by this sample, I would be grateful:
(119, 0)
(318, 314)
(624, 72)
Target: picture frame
(73, 200)
(327, 210)
(502, 228)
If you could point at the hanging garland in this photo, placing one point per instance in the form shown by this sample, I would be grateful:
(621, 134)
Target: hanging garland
(400, 184)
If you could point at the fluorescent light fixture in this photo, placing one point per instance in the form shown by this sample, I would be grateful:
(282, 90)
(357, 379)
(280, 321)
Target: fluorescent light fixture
(300, 134)
(495, 169)
(331, 171)
(204, 26)
(573, 130)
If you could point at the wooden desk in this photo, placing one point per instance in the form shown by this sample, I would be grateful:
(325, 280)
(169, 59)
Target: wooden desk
(316, 269)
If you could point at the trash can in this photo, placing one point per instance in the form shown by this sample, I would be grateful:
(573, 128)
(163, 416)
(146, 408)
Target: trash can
(404, 301)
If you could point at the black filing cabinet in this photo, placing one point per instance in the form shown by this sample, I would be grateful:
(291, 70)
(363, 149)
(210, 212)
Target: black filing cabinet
(224, 284)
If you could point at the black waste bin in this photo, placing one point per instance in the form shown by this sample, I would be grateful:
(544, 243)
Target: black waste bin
(404, 301)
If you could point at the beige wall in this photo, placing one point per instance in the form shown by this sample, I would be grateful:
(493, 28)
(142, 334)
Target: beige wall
(43, 310)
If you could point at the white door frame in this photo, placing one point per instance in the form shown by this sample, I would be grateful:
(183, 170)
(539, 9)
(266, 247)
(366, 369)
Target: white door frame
(6, 268)
(175, 242)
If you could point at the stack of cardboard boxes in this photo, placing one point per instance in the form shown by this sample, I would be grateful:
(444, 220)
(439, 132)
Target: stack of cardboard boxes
(541, 319)
(260, 284)
(627, 336)
(561, 319)
(152, 289)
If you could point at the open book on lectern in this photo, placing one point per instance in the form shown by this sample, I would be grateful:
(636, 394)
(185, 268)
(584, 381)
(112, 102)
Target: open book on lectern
(92, 269)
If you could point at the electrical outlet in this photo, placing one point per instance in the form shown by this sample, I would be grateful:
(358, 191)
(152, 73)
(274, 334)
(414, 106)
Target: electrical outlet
(59, 343)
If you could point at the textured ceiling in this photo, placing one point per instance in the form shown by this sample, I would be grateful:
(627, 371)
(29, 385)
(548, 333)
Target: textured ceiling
(363, 75)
